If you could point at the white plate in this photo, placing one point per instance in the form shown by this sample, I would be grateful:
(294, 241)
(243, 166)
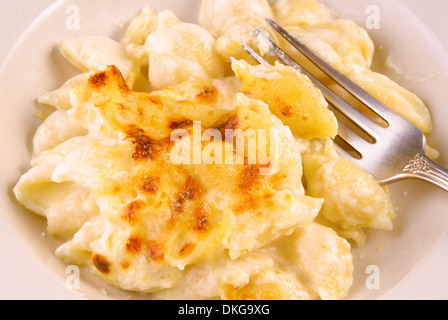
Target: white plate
(35, 66)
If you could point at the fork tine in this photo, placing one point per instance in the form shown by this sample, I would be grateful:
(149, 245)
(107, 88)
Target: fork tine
(360, 162)
(255, 55)
(342, 152)
(348, 111)
(353, 140)
(360, 94)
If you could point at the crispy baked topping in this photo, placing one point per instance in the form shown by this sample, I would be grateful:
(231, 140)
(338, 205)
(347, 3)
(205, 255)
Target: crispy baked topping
(134, 244)
(187, 249)
(227, 122)
(202, 220)
(191, 190)
(156, 251)
(101, 263)
(145, 148)
(208, 95)
(150, 184)
(248, 177)
(131, 212)
(286, 109)
(125, 264)
(98, 79)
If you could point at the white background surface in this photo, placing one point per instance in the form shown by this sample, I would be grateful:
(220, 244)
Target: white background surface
(22, 277)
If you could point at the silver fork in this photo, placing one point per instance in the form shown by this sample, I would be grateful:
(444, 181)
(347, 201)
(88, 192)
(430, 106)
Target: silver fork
(393, 152)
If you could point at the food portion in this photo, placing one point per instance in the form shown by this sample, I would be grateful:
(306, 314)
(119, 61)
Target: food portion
(175, 166)
(181, 51)
(353, 199)
(291, 96)
(232, 22)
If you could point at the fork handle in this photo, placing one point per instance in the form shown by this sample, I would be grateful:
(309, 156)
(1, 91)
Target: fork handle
(424, 168)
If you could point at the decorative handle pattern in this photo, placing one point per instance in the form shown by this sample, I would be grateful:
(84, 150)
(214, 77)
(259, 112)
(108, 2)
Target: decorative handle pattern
(418, 165)
(423, 167)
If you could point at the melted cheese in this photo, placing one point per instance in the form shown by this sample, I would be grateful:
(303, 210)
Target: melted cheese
(165, 216)
(166, 202)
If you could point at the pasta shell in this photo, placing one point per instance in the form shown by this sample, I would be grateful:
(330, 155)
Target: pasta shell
(139, 29)
(95, 53)
(181, 51)
(301, 13)
(60, 98)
